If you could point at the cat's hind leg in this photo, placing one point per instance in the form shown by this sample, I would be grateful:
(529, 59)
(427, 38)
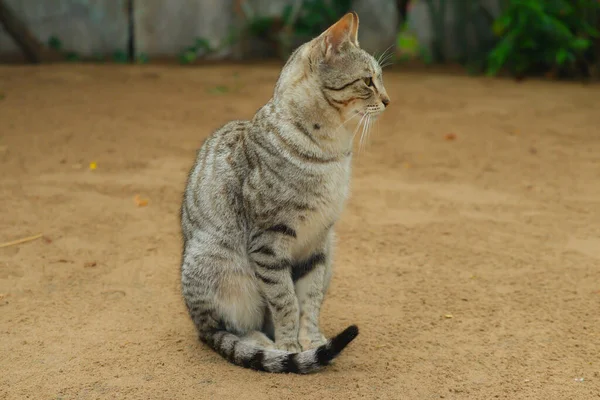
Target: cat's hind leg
(220, 290)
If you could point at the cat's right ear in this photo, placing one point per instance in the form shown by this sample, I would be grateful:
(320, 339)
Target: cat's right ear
(343, 31)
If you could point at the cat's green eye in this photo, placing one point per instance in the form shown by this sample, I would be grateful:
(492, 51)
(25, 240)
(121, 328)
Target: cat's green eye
(368, 81)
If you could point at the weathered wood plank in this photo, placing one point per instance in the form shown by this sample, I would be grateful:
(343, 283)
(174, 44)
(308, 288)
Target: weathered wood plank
(16, 29)
(166, 28)
(87, 27)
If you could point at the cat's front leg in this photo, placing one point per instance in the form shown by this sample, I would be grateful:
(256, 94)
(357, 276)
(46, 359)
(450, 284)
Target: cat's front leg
(310, 290)
(275, 281)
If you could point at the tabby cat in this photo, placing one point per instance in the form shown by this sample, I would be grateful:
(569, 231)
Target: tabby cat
(260, 204)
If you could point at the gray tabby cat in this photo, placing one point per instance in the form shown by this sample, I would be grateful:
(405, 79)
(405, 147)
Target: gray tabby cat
(260, 205)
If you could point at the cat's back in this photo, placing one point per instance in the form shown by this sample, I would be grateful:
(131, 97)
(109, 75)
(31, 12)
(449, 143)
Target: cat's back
(215, 156)
(213, 181)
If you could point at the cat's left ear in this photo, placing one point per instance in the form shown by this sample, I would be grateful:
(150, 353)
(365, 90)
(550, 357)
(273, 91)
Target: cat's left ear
(343, 31)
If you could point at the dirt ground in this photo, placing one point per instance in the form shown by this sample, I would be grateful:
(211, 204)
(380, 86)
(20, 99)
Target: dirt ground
(471, 266)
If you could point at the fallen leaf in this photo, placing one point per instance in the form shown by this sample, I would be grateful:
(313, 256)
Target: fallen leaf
(448, 316)
(93, 165)
(220, 89)
(139, 201)
(450, 136)
(90, 264)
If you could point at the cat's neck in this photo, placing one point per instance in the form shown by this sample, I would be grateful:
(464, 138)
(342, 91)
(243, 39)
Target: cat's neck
(313, 116)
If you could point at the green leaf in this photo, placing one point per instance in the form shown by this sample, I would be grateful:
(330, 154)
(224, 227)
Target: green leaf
(286, 15)
(187, 57)
(562, 56)
(72, 56)
(501, 24)
(580, 44)
(54, 43)
(426, 56)
(500, 55)
(142, 58)
(119, 56)
(202, 44)
(219, 89)
(409, 43)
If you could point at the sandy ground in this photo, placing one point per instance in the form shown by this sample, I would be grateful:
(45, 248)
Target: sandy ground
(472, 266)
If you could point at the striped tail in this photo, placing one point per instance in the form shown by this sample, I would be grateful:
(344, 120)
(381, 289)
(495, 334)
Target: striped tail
(249, 354)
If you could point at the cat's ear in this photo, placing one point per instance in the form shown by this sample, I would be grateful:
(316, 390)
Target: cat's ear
(343, 31)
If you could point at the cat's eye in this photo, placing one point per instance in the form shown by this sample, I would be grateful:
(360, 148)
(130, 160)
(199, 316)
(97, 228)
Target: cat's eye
(368, 81)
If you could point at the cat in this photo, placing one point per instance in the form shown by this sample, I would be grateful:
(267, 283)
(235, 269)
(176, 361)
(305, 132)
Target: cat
(261, 202)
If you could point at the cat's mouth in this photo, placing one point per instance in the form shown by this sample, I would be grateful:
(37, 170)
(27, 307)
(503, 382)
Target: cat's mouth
(372, 115)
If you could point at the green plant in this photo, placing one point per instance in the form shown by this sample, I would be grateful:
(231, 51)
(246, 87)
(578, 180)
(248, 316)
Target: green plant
(120, 57)
(142, 58)
(72, 56)
(297, 23)
(54, 43)
(545, 36)
(314, 16)
(202, 47)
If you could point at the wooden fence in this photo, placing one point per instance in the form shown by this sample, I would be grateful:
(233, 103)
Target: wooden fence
(102, 27)
(154, 28)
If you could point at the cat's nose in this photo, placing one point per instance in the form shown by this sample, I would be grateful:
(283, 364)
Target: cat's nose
(385, 101)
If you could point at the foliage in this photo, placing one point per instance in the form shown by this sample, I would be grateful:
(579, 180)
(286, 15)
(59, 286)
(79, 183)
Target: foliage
(541, 36)
(314, 16)
(142, 58)
(295, 25)
(120, 57)
(54, 43)
(202, 47)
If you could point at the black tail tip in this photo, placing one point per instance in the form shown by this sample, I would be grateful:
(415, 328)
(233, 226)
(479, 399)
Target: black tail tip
(329, 351)
(344, 338)
(349, 333)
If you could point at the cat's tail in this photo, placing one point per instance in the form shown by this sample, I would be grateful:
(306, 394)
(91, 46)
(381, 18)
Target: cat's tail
(251, 355)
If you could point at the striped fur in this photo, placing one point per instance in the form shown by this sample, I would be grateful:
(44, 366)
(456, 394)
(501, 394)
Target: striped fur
(261, 203)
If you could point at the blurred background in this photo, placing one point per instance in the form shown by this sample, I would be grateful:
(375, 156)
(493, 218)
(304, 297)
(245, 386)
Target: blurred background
(556, 38)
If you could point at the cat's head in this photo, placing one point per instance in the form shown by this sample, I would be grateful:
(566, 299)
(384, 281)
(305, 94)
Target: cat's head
(333, 67)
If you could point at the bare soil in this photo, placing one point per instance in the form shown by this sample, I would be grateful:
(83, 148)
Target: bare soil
(469, 252)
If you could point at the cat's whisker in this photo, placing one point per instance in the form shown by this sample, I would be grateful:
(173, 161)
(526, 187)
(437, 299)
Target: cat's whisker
(368, 132)
(363, 132)
(383, 55)
(387, 64)
(388, 60)
(358, 126)
(345, 122)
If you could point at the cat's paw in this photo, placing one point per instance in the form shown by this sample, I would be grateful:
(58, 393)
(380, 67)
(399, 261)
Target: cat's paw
(312, 342)
(290, 346)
